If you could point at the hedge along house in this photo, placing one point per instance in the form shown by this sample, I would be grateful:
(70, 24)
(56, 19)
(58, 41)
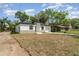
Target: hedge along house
(28, 27)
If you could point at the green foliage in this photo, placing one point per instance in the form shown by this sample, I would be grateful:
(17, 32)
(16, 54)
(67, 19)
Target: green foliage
(3, 24)
(65, 22)
(75, 23)
(42, 17)
(13, 26)
(33, 19)
(60, 17)
(51, 16)
(57, 18)
(22, 16)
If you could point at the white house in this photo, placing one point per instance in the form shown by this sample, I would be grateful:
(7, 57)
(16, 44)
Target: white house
(28, 27)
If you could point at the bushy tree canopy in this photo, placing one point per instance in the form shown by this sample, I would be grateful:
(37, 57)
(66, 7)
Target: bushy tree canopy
(22, 16)
(75, 23)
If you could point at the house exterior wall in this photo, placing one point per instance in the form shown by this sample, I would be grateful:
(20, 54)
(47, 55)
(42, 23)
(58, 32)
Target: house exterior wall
(26, 28)
(47, 28)
(36, 28)
(32, 30)
(17, 29)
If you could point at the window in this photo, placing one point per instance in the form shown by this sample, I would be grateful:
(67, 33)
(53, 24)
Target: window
(31, 27)
(42, 28)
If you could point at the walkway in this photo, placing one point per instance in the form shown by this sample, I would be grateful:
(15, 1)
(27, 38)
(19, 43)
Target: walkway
(9, 46)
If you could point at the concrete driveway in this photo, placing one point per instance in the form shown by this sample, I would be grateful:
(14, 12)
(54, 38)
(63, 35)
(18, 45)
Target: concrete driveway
(9, 46)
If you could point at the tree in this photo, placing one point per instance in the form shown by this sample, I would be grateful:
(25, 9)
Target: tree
(75, 23)
(22, 16)
(3, 23)
(56, 18)
(65, 22)
(13, 26)
(32, 19)
(10, 24)
(41, 17)
(59, 17)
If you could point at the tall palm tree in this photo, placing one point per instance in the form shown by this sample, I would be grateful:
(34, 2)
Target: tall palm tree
(56, 17)
(42, 17)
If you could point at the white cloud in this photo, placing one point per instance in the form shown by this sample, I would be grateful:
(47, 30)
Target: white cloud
(10, 12)
(43, 5)
(74, 14)
(30, 11)
(50, 7)
(56, 6)
(59, 4)
(6, 5)
(69, 8)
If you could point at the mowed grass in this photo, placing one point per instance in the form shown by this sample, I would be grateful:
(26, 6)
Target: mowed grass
(48, 44)
(73, 32)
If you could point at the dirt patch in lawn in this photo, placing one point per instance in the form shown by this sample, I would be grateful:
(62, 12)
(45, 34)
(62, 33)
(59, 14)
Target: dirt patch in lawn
(48, 44)
(9, 46)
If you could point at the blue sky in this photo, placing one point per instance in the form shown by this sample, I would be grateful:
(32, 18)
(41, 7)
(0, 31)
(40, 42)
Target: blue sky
(9, 9)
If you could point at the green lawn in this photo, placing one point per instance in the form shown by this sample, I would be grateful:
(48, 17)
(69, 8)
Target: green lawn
(73, 32)
(48, 44)
(68, 32)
